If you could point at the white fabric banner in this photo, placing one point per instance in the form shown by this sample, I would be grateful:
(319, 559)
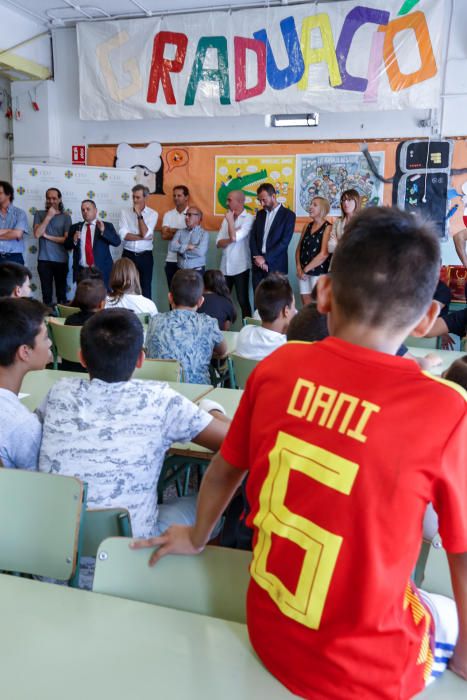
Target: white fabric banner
(110, 188)
(385, 54)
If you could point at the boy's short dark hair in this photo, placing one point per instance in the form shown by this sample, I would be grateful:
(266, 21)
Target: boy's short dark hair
(20, 322)
(12, 275)
(184, 188)
(89, 294)
(386, 267)
(187, 287)
(272, 295)
(89, 273)
(111, 342)
(308, 325)
(457, 372)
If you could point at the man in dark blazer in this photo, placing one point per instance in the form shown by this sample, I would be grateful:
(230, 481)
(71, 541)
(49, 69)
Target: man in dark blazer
(90, 240)
(270, 235)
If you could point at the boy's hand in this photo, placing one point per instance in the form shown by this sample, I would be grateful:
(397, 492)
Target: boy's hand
(176, 540)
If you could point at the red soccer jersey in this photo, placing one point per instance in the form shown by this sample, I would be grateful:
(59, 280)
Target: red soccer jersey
(345, 447)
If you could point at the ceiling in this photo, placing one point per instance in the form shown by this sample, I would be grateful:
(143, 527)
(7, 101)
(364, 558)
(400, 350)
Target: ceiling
(56, 13)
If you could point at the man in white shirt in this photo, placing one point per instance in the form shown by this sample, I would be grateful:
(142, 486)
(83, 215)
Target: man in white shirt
(173, 221)
(275, 302)
(234, 240)
(136, 230)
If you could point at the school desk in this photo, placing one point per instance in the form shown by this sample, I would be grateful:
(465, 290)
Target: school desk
(447, 357)
(37, 384)
(59, 642)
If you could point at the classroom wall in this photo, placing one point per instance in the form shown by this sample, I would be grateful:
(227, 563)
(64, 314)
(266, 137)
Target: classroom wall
(5, 144)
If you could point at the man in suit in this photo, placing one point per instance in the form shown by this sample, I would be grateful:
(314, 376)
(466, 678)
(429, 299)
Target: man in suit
(90, 240)
(270, 235)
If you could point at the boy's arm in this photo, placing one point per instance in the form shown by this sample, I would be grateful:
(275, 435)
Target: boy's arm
(217, 488)
(458, 568)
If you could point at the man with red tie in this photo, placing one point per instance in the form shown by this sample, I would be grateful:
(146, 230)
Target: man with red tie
(90, 240)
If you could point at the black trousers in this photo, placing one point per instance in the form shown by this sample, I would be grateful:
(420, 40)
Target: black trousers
(241, 282)
(50, 272)
(257, 274)
(170, 269)
(144, 264)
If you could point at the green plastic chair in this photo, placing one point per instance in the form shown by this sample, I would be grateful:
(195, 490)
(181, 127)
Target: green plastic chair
(144, 318)
(436, 576)
(65, 311)
(212, 583)
(101, 523)
(242, 368)
(40, 517)
(250, 321)
(161, 370)
(66, 340)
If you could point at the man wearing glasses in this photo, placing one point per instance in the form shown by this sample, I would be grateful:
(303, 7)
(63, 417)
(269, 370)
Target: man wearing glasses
(191, 243)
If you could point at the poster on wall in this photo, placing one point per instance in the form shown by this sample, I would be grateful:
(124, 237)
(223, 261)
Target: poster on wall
(247, 173)
(110, 188)
(329, 174)
(339, 56)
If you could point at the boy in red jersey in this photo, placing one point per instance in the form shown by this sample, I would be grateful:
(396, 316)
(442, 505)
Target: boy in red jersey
(345, 445)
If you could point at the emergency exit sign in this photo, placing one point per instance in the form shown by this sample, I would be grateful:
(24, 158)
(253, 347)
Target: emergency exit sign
(78, 155)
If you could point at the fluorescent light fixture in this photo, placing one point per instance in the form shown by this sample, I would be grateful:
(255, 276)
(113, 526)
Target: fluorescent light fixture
(311, 119)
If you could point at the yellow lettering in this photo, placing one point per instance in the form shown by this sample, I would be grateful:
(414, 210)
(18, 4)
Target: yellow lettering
(326, 53)
(353, 403)
(292, 408)
(117, 93)
(368, 409)
(324, 398)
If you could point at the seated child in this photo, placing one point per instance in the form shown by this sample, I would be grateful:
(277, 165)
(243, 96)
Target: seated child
(113, 431)
(15, 280)
(308, 325)
(184, 335)
(345, 445)
(90, 297)
(217, 301)
(275, 302)
(126, 289)
(24, 346)
(457, 372)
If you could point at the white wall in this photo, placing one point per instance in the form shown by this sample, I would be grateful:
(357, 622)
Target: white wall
(5, 128)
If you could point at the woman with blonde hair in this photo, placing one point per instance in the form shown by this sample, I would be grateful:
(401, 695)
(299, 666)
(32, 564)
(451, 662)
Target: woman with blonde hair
(351, 202)
(126, 289)
(311, 256)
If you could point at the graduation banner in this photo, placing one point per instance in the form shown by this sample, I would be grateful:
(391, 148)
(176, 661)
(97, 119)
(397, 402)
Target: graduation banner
(344, 56)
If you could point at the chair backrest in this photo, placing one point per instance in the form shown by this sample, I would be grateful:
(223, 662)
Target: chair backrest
(144, 318)
(162, 370)
(65, 340)
(40, 518)
(100, 524)
(437, 577)
(242, 368)
(212, 583)
(65, 311)
(250, 321)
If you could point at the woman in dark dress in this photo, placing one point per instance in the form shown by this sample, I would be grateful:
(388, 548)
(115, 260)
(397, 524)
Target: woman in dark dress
(217, 301)
(312, 257)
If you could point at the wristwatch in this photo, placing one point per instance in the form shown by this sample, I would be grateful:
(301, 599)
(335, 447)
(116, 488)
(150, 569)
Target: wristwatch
(139, 217)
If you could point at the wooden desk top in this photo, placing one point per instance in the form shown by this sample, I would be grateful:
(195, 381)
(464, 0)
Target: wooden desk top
(59, 642)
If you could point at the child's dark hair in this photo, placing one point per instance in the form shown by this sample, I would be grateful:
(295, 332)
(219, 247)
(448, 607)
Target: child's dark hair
(20, 322)
(308, 325)
(12, 275)
(457, 372)
(186, 287)
(272, 295)
(111, 342)
(214, 281)
(89, 294)
(386, 267)
(89, 273)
